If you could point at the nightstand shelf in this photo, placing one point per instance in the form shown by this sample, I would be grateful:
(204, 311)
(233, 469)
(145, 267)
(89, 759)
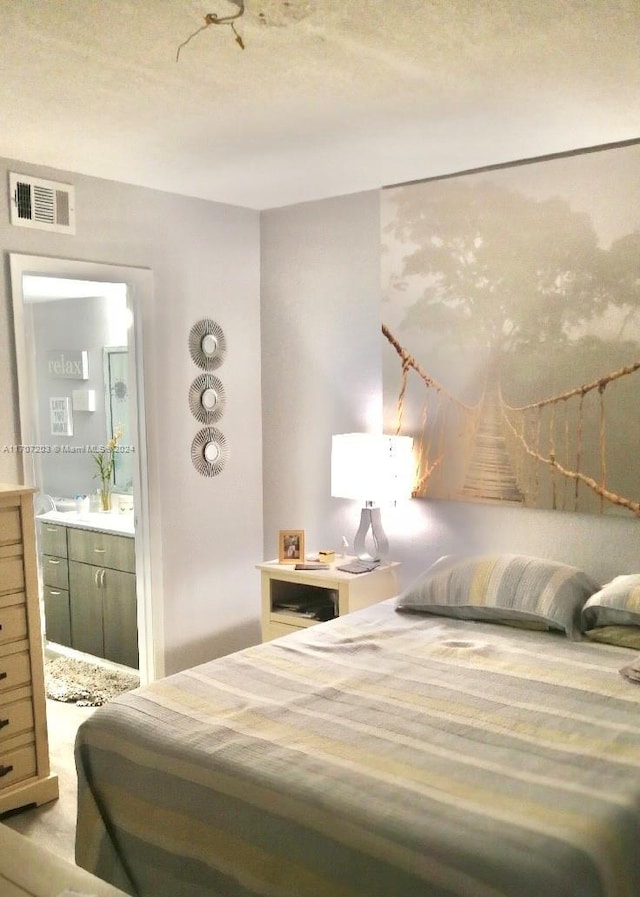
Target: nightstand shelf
(294, 599)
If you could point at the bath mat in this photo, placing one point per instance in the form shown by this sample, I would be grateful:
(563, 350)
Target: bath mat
(85, 684)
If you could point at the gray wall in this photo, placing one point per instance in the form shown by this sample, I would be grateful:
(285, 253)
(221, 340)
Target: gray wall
(71, 324)
(205, 263)
(322, 374)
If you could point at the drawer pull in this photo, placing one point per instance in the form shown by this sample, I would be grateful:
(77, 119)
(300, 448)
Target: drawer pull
(3, 723)
(5, 770)
(99, 550)
(51, 529)
(53, 592)
(3, 675)
(55, 563)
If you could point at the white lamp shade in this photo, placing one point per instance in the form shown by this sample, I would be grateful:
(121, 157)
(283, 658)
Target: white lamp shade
(371, 467)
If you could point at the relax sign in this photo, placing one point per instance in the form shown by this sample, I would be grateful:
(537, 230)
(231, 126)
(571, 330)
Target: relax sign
(68, 364)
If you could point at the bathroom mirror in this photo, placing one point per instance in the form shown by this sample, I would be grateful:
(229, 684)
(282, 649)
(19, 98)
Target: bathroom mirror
(117, 413)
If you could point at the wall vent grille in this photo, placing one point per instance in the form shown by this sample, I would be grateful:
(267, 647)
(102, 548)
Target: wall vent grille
(46, 205)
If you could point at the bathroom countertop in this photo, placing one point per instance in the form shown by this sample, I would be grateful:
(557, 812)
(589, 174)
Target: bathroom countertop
(117, 523)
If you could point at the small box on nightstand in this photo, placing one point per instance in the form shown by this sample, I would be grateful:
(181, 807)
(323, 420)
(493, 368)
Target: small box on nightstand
(327, 555)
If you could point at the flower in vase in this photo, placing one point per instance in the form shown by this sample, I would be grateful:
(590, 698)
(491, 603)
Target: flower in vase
(105, 461)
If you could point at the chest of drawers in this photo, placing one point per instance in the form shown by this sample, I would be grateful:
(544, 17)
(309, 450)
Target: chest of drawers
(25, 776)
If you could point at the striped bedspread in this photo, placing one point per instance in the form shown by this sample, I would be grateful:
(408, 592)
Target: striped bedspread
(382, 754)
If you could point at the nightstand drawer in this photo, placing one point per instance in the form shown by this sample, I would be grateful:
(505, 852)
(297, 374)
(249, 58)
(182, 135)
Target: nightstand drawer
(15, 717)
(17, 765)
(55, 572)
(54, 539)
(102, 550)
(15, 670)
(13, 623)
(275, 629)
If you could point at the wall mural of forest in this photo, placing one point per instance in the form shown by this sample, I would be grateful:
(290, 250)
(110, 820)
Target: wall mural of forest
(511, 332)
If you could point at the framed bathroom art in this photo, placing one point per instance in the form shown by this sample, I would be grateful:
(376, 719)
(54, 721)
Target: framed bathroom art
(61, 416)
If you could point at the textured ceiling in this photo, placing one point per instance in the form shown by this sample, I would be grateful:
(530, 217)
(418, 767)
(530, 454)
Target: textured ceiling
(359, 94)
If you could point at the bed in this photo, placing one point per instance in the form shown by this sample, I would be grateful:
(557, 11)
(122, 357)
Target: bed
(400, 750)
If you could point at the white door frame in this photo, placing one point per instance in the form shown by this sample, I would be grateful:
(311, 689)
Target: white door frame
(139, 282)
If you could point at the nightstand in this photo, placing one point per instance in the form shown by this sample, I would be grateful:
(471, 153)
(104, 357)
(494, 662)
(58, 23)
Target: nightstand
(293, 599)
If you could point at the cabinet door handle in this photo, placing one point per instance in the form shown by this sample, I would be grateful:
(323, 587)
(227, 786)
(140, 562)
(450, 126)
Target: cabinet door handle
(5, 770)
(3, 723)
(102, 577)
(96, 578)
(55, 563)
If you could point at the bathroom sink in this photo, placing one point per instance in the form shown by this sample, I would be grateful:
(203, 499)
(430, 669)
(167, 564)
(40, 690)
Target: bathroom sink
(65, 504)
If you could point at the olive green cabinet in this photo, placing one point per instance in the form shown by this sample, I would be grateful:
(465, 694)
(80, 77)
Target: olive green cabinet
(57, 615)
(119, 617)
(55, 577)
(103, 612)
(97, 611)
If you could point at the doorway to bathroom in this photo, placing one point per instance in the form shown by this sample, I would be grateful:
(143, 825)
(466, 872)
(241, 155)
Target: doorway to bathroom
(79, 358)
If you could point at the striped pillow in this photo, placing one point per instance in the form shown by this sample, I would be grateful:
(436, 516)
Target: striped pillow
(615, 606)
(621, 636)
(505, 588)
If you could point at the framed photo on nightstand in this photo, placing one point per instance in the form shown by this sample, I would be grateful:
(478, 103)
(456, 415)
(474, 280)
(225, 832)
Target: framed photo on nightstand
(291, 546)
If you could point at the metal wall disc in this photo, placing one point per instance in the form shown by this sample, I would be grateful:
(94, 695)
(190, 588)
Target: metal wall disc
(207, 344)
(209, 451)
(207, 399)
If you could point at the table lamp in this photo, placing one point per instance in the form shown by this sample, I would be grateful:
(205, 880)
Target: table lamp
(374, 469)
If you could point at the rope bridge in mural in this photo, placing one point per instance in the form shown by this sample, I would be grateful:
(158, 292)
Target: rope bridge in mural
(503, 451)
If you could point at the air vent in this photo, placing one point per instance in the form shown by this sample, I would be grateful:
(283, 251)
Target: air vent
(46, 205)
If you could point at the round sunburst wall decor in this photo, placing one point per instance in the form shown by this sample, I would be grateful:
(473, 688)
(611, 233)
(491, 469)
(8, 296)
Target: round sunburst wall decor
(207, 399)
(209, 451)
(207, 344)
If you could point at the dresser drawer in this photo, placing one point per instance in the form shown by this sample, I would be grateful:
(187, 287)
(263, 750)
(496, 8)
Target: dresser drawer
(102, 549)
(15, 670)
(53, 539)
(55, 572)
(10, 526)
(15, 717)
(17, 765)
(11, 574)
(13, 623)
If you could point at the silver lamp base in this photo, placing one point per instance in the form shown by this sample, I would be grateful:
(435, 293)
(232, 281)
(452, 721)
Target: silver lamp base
(370, 520)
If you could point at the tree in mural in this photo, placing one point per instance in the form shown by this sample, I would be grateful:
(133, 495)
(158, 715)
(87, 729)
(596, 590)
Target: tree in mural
(522, 285)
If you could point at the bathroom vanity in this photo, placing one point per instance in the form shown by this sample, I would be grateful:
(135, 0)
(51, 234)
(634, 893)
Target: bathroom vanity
(89, 583)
